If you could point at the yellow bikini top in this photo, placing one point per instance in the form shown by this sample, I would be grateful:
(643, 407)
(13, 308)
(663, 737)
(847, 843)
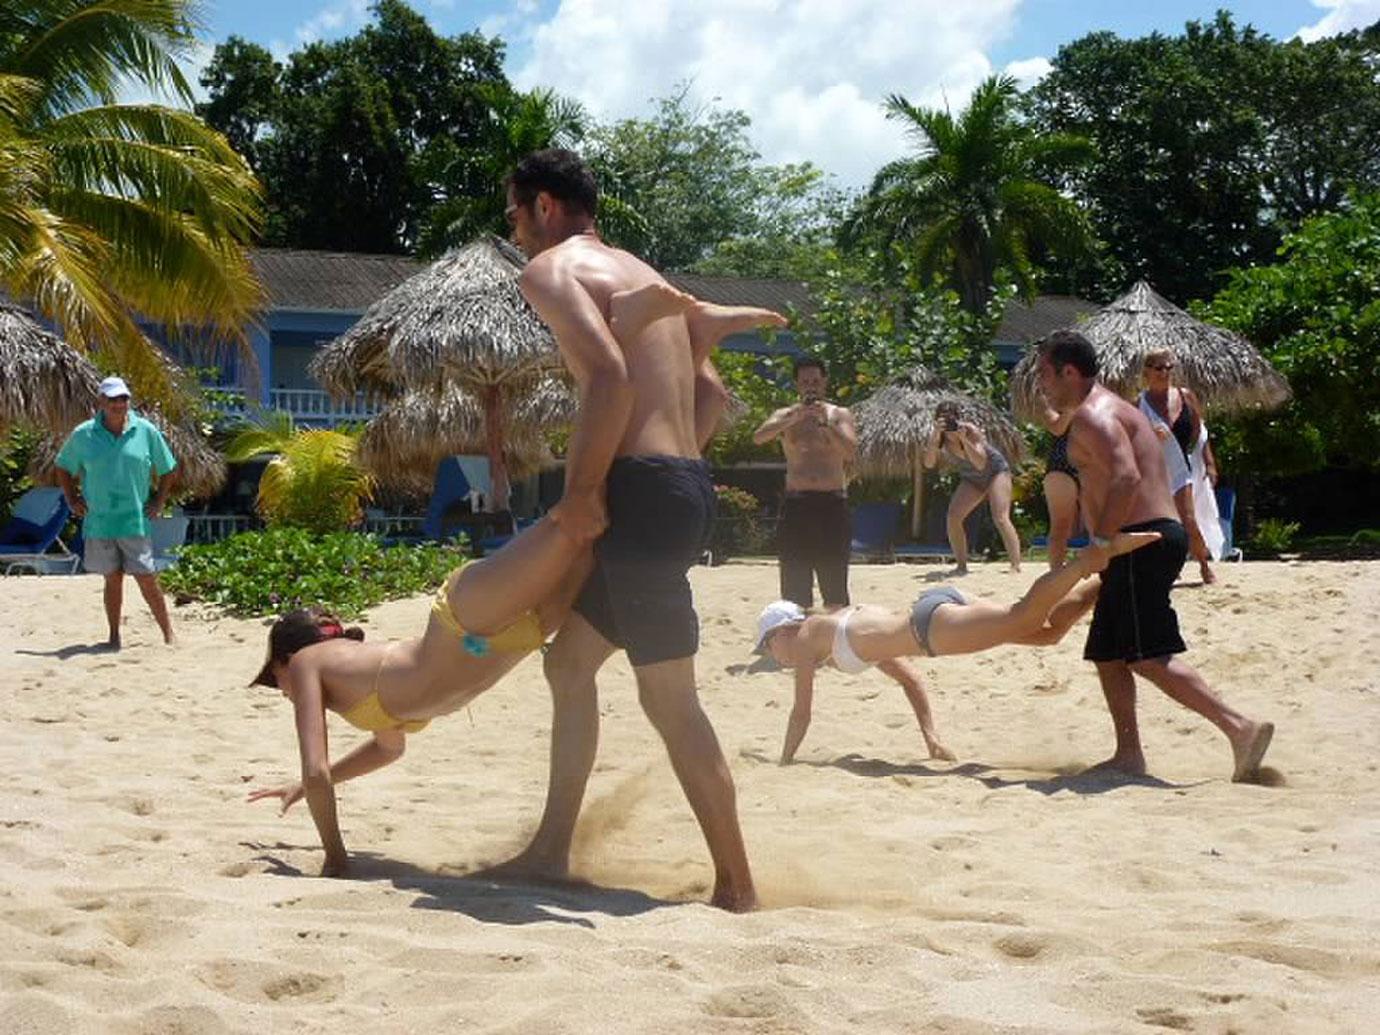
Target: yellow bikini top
(371, 716)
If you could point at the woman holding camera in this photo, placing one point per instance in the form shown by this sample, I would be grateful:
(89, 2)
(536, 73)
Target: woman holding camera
(983, 474)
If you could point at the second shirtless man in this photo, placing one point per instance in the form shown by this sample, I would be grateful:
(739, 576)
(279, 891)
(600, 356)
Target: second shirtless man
(820, 440)
(636, 486)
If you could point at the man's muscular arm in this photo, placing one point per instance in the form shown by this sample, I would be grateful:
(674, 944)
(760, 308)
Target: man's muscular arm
(1099, 445)
(606, 394)
(777, 423)
(844, 431)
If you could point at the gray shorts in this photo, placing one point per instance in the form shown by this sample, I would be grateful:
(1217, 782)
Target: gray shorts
(924, 609)
(131, 554)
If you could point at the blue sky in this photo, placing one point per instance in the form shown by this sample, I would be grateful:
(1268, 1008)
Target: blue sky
(811, 73)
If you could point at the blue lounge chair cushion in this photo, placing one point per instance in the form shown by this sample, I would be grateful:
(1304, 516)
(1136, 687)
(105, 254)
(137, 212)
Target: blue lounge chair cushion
(21, 533)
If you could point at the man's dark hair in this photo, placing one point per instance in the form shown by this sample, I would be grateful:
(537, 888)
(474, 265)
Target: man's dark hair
(1069, 348)
(808, 363)
(562, 174)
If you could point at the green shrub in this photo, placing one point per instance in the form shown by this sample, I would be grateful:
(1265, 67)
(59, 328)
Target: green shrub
(1273, 537)
(738, 528)
(16, 449)
(268, 572)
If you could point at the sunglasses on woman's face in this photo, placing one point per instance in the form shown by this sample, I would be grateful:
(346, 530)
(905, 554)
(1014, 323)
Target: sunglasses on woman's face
(1159, 366)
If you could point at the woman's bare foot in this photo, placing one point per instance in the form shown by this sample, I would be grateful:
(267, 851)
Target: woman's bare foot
(631, 311)
(711, 323)
(940, 752)
(1248, 748)
(1205, 570)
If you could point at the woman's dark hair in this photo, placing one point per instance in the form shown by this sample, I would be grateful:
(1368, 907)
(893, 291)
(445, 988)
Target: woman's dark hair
(562, 174)
(298, 629)
(1069, 348)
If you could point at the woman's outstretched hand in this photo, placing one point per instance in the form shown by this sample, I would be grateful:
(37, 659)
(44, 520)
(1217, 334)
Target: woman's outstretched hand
(290, 793)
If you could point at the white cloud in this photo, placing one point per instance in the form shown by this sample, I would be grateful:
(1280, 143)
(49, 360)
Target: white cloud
(1342, 16)
(812, 74)
(1029, 71)
(329, 20)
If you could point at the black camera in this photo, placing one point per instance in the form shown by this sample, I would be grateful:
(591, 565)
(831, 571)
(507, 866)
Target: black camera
(950, 423)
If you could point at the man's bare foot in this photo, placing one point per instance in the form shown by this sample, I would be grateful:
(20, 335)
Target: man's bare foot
(711, 323)
(528, 866)
(1249, 748)
(1205, 570)
(631, 311)
(113, 642)
(734, 900)
(1130, 765)
(959, 569)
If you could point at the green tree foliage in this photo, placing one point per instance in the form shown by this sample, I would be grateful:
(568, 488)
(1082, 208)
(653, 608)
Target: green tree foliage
(1209, 145)
(108, 210)
(1316, 315)
(690, 192)
(357, 139)
(312, 481)
(978, 197)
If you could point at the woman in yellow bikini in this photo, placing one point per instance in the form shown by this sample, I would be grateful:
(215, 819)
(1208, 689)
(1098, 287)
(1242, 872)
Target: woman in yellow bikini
(487, 617)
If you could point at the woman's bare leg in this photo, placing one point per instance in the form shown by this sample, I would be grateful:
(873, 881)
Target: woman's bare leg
(979, 625)
(1061, 496)
(491, 594)
(999, 502)
(963, 502)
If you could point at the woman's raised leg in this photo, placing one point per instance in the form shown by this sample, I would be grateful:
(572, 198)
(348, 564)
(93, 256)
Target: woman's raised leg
(1061, 496)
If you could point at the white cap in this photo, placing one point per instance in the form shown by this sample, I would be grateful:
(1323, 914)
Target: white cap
(114, 387)
(775, 615)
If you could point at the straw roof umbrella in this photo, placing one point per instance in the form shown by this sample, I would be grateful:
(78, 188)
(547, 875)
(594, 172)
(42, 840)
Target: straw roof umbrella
(1222, 368)
(403, 443)
(896, 422)
(461, 322)
(201, 470)
(43, 380)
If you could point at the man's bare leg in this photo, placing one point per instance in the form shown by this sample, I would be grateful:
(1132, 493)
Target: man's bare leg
(668, 696)
(914, 690)
(113, 595)
(1119, 689)
(1249, 739)
(571, 664)
(158, 604)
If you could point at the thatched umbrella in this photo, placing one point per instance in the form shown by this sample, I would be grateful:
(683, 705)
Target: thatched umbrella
(1222, 368)
(201, 470)
(43, 380)
(461, 322)
(403, 443)
(896, 422)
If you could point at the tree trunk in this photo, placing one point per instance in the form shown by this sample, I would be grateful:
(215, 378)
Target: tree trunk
(917, 497)
(493, 433)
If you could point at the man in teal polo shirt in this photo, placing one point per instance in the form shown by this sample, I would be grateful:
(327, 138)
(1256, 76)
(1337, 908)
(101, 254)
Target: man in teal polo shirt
(115, 457)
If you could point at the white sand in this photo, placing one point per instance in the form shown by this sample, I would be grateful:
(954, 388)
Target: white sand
(139, 892)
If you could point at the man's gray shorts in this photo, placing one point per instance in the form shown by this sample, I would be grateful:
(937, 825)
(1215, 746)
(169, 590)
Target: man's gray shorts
(131, 554)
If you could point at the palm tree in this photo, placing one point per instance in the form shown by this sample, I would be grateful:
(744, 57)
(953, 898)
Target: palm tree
(114, 212)
(312, 481)
(519, 123)
(977, 197)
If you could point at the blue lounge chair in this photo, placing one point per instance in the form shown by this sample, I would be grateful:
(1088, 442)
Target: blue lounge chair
(167, 535)
(32, 539)
(1226, 513)
(874, 531)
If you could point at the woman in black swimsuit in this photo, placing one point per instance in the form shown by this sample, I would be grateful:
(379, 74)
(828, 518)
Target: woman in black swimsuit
(1061, 487)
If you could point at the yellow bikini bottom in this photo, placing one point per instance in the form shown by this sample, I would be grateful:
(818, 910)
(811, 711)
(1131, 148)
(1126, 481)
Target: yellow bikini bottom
(523, 636)
(370, 715)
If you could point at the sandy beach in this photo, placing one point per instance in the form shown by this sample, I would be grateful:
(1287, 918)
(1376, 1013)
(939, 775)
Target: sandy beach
(139, 892)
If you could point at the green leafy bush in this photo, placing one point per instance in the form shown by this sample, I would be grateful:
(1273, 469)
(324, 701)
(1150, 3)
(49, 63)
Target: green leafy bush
(1273, 537)
(16, 449)
(738, 528)
(268, 572)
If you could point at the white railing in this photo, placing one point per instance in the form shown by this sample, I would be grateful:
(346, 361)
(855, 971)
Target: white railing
(309, 406)
(211, 528)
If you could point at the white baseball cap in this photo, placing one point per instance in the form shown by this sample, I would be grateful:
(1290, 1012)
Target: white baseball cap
(775, 615)
(114, 387)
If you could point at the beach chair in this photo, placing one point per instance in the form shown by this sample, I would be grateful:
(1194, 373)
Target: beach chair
(167, 535)
(1226, 513)
(32, 539)
(874, 531)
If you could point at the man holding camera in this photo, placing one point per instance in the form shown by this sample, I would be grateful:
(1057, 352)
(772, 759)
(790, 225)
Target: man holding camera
(819, 439)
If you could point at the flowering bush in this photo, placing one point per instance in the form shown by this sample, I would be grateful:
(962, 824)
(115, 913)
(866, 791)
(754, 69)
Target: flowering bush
(738, 528)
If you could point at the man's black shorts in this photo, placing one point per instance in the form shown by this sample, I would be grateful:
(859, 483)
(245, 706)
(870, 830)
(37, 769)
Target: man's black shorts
(1133, 619)
(813, 539)
(661, 512)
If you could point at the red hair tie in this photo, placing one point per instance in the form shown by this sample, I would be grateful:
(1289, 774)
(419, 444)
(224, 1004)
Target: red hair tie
(332, 629)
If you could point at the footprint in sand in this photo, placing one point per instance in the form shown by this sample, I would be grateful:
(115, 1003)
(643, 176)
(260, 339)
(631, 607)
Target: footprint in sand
(749, 1001)
(1021, 945)
(1164, 1017)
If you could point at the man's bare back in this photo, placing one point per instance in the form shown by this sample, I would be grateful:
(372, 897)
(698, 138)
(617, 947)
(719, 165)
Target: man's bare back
(1103, 425)
(660, 366)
